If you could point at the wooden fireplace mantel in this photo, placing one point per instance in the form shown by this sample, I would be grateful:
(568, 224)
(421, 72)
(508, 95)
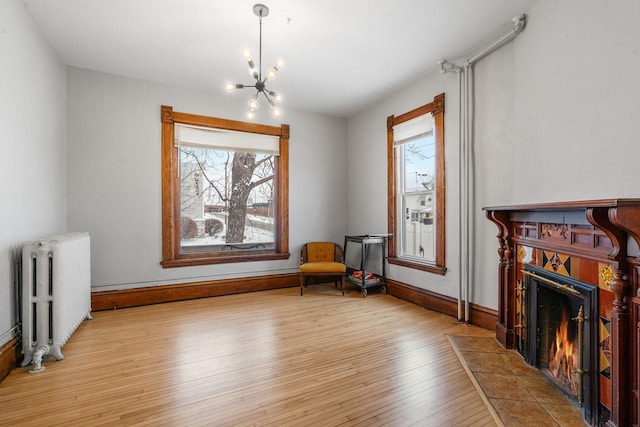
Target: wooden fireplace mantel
(595, 230)
(571, 205)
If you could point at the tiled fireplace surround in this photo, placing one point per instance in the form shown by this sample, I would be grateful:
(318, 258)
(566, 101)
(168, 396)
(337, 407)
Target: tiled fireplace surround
(595, 242)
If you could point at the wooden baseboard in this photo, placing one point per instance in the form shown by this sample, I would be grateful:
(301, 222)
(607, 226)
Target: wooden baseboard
(8, 357)
(107, 300)
(483, 317)
(479, 316)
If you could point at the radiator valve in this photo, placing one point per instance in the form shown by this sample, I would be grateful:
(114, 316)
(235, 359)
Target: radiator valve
(38, 355)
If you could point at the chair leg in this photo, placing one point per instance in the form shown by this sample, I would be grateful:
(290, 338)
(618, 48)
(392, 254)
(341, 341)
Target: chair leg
(342, 284)
(301, 284)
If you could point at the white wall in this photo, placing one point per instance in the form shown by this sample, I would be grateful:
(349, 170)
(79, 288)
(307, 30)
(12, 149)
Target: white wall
(33, 144)
(115, 182)
(574, 90)
(555, 120)
(577, 86)
(555, 115)
(367, 176)
(493, 164)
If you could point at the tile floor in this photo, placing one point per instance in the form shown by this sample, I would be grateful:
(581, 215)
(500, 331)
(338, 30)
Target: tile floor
(518, 394)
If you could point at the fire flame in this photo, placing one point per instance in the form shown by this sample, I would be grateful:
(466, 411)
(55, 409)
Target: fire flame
(563, 357)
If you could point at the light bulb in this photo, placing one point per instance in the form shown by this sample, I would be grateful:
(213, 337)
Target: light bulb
(246, 53)
(277, 97)
(253, 104)
(229, 86)
(250, 115)
(271, 74)
(279, 64)
(253, 71)
(276, 112)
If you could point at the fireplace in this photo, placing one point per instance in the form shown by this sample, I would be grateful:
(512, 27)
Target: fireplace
(569, 299)
(559, 334)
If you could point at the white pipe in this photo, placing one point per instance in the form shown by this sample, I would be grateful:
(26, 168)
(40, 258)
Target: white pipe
(460, 143)
(519, 23)
(447, 67)
(468, 188)
(466, 162)
(467, 207)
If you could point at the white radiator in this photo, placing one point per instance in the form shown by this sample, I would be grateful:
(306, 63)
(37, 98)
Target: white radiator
(56, 294)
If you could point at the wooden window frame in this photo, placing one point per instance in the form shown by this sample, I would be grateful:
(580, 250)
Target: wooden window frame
(171, 256)
(436, 108)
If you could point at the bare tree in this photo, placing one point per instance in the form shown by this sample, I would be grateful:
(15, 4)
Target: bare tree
(208, 166)
(247, 171)
(417, 153)
(242, 173)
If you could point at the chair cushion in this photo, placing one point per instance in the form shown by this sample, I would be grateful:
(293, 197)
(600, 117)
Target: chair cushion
(323, 267)
(321, 252)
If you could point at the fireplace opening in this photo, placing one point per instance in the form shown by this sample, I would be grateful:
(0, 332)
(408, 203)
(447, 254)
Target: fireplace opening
(561, 335)
(558, 339)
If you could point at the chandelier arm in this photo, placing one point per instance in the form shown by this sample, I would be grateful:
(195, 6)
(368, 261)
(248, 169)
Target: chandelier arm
(269, 100)
(252, 69)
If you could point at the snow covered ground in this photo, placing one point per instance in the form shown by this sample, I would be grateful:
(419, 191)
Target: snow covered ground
(260, 232)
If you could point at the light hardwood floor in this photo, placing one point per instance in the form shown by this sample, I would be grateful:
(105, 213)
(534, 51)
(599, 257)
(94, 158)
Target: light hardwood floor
(269, 358)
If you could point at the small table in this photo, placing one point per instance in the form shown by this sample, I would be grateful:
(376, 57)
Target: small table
(367, 243)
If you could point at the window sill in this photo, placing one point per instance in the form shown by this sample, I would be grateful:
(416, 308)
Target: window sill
(430, 268)
(244, 257)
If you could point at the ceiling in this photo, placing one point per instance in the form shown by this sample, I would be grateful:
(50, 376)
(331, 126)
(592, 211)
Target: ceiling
(340, 55)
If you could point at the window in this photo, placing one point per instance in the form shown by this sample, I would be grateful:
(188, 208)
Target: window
(224, 190)
(416, 208)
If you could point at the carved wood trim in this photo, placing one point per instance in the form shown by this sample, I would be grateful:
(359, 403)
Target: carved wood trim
(627, 218)
(566, 206)
(506, 292)
(166, 114)
(623, 369)
(599, 217)
(635, 304)
(438, 104)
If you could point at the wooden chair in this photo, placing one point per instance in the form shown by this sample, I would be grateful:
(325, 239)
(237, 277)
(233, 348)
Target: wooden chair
(322, 259)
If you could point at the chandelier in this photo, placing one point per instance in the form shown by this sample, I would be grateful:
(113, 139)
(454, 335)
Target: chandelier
(261, 81)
